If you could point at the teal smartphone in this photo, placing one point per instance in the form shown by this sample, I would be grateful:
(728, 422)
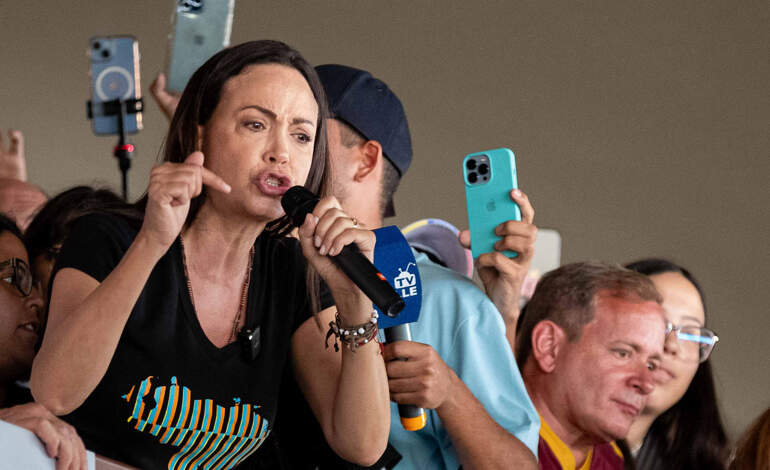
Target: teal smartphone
(489, 178)
(201, 28)
(114, 75)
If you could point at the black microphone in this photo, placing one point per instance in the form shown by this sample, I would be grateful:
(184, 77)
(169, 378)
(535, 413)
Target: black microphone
(412, 417)
(297, 202)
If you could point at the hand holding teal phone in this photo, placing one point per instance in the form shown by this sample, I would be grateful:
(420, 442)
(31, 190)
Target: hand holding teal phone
(489, 178)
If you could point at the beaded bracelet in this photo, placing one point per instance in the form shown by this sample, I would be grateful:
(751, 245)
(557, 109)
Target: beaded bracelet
(353, 336)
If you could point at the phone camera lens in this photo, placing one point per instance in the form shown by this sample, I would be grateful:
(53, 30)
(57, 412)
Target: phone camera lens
(472, 177)
(483, 169)
(190, 5)
(97, 45)
(105, 53)
(470, 164)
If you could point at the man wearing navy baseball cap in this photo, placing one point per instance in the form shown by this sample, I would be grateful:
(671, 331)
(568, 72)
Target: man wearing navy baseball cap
(459, 367)
(365, 112)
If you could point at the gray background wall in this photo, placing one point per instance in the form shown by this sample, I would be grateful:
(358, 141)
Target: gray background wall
(640, 128)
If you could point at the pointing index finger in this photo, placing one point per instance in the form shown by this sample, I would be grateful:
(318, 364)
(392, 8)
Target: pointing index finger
(212, 180)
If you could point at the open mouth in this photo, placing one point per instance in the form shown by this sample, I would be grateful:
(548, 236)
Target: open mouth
(32, 327)
(273, 184)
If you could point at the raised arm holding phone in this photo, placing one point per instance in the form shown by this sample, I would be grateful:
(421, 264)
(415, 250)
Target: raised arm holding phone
(502, 275)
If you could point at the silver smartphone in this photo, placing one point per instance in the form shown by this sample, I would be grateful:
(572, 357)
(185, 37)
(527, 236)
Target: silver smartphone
(201, 28)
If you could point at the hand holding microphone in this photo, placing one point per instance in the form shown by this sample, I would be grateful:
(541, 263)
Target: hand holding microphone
(333, 238)
(334, 226)
(401, 377)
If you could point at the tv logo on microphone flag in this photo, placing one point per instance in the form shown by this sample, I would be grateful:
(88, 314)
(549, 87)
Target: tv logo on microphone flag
(394, 258)
(406, 282)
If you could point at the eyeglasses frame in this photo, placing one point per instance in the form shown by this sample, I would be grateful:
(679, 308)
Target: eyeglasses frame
(677, 329)
(13, 279)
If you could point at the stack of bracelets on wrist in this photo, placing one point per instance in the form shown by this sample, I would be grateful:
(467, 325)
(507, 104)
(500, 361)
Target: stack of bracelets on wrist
(352, 336)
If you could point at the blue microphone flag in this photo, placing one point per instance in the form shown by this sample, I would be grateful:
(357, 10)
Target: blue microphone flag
(395, 260)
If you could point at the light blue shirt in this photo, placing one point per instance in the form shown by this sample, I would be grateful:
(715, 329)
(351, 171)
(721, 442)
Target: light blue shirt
(466, 330)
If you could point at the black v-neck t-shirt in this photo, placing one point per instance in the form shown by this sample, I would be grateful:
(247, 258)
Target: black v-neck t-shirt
(170, 398)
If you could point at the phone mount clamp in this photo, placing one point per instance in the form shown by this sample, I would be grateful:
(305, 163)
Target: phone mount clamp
(123, 151)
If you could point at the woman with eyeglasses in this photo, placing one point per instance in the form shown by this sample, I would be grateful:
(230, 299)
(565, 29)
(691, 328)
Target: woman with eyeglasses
(680, 428)
(20, 306)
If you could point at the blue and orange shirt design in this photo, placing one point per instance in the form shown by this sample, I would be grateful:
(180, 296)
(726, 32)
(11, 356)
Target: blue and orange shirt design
(208, 435)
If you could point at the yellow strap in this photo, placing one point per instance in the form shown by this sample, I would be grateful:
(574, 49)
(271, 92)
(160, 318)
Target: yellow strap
(616, 449)
(560, 450)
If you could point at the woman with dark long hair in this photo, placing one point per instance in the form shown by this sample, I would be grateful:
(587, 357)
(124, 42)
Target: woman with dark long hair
(680, 428)
(166, 341)
(50, 226)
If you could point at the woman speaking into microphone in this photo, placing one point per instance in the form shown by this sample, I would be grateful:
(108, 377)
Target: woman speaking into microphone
(167, 335)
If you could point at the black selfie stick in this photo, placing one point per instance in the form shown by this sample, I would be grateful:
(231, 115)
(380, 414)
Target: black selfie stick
(123, 151)
(297, 202)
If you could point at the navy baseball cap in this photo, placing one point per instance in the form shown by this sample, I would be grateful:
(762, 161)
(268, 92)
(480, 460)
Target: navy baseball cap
(370, 107)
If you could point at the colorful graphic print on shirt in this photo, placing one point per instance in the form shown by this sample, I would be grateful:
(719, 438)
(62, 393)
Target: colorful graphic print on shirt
(209, 435)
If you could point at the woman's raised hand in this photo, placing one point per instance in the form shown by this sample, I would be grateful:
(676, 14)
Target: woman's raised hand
(172, 187)
(325, 233)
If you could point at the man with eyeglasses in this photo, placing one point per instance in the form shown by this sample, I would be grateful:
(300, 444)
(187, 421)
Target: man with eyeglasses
(20, 324)
(589, 343)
